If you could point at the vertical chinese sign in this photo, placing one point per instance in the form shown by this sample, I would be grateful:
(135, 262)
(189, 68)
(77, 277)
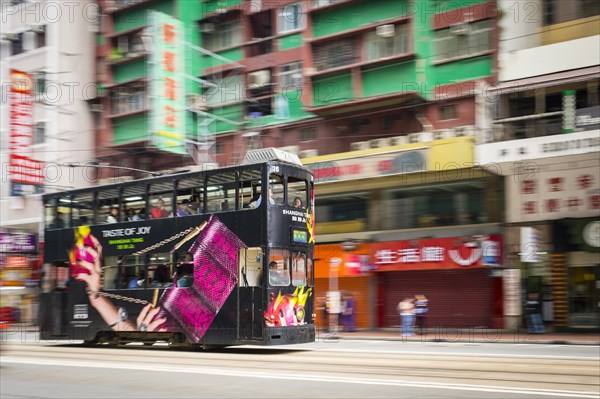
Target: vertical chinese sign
(168, 102)
(23, 169)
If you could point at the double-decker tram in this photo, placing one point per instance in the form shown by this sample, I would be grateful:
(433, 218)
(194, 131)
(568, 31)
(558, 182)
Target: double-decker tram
(206, 258)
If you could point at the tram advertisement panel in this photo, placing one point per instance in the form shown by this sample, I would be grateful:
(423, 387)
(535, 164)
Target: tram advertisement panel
(191, 310)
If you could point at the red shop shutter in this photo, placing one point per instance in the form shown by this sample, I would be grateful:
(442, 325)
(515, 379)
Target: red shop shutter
(458, 298)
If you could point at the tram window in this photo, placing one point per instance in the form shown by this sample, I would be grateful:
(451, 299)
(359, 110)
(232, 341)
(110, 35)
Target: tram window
(277, 189)
(249, 188)
(184, 274)
(63, 212)
(160, 270)
(83, 209)
(220, 192)
(188, 197)
(161, 200)
(55, 276)
(250, 267)
(279, 272)
(134, 203)
(299, 269)
(297, 193)
(50, 216)
(107, 201)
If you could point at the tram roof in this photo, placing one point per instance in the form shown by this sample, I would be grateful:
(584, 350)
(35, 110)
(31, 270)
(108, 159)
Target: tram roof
(270, 154)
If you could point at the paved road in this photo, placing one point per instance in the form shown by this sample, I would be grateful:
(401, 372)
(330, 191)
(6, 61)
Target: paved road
(335, 369)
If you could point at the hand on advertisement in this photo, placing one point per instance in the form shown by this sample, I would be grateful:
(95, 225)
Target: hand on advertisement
(145, 321)
(93, 279)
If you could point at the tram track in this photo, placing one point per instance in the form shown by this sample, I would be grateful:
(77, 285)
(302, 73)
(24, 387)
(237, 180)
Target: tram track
(576, 374)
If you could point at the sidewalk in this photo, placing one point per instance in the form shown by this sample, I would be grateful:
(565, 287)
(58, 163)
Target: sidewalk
(468, 336)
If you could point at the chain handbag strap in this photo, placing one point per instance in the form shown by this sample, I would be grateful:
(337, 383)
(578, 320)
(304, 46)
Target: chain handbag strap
(96, 294)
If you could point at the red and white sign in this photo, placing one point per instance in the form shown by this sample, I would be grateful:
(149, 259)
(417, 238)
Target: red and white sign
(22, 168)
(437, 253)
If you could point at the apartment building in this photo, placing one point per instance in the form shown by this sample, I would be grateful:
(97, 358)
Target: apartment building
(46, 72)
(545, 140)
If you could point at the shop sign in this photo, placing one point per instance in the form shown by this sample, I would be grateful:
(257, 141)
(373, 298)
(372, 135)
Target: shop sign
(168, 91)
(583, 142)
(18, 242)
(335, 260)
(530, 245)
(512, 292)
(554, 194)
(389, 163)
(22, 167)
(438, 253)
(587, 119)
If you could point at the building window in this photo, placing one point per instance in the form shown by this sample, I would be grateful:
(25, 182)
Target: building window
(39, 134)
(379, 46)
(291, 18)
(131, 45)
(556, 12)
(443, 205)
(16, 43)
(40, 86)
(129, 99)
(223, 36)
(308, 134)
(227, 90)
(463, 40)
(448, 112)
(290, 77)
(335, 54)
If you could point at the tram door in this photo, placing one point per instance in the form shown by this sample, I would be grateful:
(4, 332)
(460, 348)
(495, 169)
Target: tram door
(250, 295)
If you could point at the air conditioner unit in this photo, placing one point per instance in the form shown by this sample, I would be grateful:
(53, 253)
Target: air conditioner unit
(422, 137)
(259, 79)
(197, 102)
(37, 28)
(359, 145)
(309, 153)
(292, 149)
(441, 134)
(379, 143)
(385, 30)
(398, 140)
(463, 131)
(207, 27)
(11, 37)
(96, 107)
(460, 29)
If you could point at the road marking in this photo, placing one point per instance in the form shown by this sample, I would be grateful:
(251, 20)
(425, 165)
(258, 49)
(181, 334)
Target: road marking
(312, 378)
(438, 353)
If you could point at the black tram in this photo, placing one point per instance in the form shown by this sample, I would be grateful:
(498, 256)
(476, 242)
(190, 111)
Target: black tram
(205, 258)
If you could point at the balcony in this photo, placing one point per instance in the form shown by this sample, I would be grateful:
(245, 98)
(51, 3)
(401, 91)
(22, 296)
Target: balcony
(529, 126)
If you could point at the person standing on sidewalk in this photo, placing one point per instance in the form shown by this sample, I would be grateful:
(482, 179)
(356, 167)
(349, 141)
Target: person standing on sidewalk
(421, 311)
(535, 325)
(406, 309)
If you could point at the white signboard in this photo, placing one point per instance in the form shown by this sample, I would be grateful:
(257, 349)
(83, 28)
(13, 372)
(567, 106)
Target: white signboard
(512, 292)
(538, 147)
(530, 245)
(555, 191)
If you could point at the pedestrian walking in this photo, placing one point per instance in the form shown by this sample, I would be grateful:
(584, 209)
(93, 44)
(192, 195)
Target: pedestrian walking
(421, 311)
(406, 309)
(535, 325)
